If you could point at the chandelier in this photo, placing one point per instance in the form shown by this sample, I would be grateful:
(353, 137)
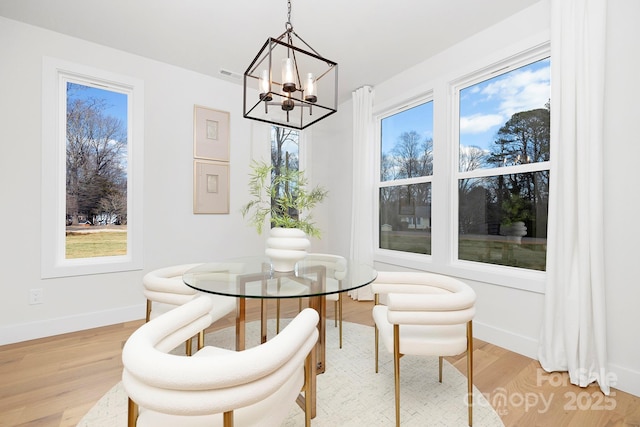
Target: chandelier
(286, 85)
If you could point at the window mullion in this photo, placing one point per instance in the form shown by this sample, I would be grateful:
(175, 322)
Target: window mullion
(507, 170)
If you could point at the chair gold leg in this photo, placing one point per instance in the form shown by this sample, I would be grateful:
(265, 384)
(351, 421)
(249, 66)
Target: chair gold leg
(187, 347)
(440, 368)
(340, 316)
(278, 316)
(470, 371)
(307, 389)
(375, 330)
(396, 369)
(148, 316)
(132, 413)
(376, 299)
(227, 419)
(200, 340)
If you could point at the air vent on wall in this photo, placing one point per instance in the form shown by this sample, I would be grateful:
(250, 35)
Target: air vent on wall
(231, 74)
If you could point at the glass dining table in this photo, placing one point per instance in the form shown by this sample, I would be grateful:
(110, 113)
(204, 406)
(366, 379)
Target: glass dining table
(254, 277)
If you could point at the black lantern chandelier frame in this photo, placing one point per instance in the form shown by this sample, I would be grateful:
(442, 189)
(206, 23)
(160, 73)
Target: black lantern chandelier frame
(307, 91)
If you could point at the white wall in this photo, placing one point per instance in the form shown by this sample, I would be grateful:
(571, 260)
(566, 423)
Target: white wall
(622, 204)
(509, 317)
(331, 154)
(172, 233)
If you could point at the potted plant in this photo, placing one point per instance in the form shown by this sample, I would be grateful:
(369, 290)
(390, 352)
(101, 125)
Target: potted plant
(281, 196)
(515, 211)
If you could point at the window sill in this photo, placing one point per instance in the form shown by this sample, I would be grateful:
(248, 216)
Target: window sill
(516, 278)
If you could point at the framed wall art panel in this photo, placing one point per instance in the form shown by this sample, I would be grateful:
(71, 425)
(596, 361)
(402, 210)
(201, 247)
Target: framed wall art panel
(210, 134)
(210, 187)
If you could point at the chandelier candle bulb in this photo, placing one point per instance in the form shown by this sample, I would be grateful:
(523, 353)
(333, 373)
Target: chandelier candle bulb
(310, 90)
(288, 81)
(264, 84)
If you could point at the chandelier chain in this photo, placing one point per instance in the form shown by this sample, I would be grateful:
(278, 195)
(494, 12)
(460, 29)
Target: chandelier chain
(288, 24)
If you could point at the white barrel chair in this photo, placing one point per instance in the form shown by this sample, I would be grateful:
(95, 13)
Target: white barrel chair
(215, 386)
(425, 314)
(165, 290)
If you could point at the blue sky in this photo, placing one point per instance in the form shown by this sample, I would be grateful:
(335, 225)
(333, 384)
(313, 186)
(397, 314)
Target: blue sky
(116, 102)
(418, 118)
(484, 107)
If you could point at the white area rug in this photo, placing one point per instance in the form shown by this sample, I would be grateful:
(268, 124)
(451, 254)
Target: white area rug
(350, 393)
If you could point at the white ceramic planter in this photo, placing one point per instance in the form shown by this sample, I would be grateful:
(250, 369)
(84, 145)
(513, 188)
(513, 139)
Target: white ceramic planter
(514, 232)
(285, 247)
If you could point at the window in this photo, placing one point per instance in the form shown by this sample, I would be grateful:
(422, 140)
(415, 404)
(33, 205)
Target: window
(92, 154)
(467, 194)
(503, 167)
(406, 171)
(96, 172)
(285, 149)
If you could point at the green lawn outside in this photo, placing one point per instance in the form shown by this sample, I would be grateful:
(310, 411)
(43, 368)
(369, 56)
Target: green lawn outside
(497, 250)
(407, 241)
(493, 251)
(95, 244)
(532, 256)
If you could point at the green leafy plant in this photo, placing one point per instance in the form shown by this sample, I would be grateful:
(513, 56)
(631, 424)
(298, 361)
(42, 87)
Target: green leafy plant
(515, 209)
(281, 196)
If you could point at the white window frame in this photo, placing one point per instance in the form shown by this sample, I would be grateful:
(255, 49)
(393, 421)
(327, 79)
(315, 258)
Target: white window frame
(380, 253)
(444, 191)
(56, 74)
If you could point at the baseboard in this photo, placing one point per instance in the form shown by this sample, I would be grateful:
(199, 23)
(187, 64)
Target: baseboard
(625, 380)
(62, 325)
(506, 339)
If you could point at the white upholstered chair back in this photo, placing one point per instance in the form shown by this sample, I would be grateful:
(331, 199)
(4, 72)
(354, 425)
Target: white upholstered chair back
(165, 290)
(424, 314)
(254, 387)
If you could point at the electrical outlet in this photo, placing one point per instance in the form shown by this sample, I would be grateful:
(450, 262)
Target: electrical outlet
(36, 296)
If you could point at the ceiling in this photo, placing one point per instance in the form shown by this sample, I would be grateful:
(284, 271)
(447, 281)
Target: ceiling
(371, 40)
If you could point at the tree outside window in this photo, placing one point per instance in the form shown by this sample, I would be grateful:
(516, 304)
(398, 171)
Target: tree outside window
(503, 177)
(406, 168)
(284, 156)
(96, 172)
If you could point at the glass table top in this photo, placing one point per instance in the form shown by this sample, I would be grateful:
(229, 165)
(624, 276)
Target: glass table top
(254, 277)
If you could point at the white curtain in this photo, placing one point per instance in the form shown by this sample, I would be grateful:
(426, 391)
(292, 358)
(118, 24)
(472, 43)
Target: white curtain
(362, 212)
(573, 336)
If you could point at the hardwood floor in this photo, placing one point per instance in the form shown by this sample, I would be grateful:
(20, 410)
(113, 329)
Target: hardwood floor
(54, 381)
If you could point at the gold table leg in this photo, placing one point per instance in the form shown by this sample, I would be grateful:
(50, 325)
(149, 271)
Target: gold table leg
(318, 303)
(240, 321)
(263, 320)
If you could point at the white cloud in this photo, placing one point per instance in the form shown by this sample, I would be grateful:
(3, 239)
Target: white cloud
(479, 123)
(519, 91)
(514, 92)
